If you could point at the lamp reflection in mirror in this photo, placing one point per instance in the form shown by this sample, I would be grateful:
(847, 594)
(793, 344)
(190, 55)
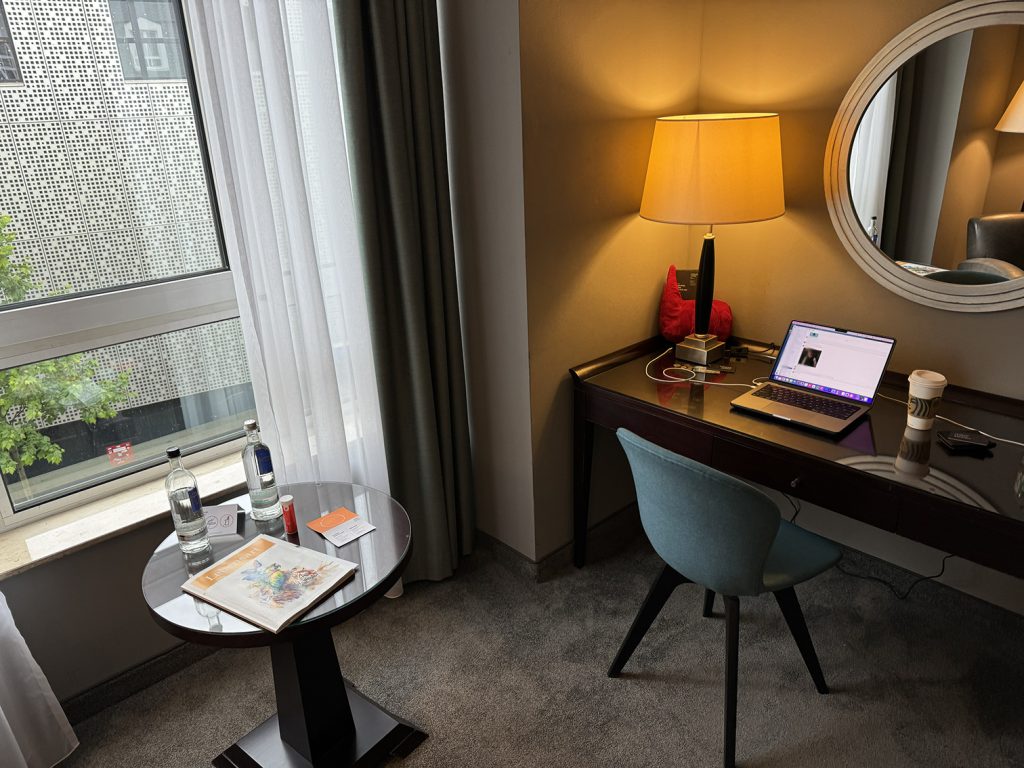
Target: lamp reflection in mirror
(713, 169)
(1012, 120)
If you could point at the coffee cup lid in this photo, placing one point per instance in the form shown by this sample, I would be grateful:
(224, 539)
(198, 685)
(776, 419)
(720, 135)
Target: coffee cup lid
(927, 378)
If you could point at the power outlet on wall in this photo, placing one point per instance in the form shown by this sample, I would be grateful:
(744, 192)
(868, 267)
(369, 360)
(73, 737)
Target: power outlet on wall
(687, 279)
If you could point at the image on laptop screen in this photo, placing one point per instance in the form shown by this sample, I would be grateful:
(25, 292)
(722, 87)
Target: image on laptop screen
(842, 363)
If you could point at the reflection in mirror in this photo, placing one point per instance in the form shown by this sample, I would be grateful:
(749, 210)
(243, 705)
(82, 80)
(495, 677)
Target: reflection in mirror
(934, 185)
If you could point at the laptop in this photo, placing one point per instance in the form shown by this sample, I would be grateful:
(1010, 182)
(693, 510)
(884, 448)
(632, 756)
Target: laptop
(824, 378)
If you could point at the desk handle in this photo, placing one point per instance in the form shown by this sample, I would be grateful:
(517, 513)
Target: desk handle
(794, 483)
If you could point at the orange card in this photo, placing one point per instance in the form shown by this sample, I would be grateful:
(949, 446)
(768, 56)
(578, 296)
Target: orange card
(323, 524)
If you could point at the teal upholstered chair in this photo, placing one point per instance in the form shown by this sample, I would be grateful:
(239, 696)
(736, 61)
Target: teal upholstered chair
(725, 535)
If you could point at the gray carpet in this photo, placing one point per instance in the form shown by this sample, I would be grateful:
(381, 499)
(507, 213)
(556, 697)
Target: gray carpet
(505, 672)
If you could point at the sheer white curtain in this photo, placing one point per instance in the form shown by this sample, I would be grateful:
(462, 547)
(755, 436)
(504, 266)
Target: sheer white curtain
(34, 733)
(268, 87)
(869, 155)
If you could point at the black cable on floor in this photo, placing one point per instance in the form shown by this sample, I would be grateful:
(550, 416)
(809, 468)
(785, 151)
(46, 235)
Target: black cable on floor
(893, 589)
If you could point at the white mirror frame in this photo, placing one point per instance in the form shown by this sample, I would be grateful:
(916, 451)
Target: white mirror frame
(954, 18)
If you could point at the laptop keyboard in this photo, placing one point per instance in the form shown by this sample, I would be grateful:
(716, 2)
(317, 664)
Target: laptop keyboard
(807, 401)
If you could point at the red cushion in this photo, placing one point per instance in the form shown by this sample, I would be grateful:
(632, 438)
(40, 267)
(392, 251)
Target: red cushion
(676, 316)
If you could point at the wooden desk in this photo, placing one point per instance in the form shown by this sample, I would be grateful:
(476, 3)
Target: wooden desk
(970, 507)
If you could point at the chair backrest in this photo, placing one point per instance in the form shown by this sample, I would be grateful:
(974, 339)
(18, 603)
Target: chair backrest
(1000, 236)
(966, 277)
(712, 528)
(994, 266)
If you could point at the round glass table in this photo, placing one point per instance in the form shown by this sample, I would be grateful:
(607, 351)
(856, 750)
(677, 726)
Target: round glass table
(321, 718)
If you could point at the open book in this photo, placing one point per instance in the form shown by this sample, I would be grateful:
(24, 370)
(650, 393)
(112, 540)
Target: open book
(269, 582)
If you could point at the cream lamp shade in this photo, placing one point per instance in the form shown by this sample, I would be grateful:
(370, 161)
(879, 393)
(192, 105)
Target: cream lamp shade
(714, 169)
(1012, 120)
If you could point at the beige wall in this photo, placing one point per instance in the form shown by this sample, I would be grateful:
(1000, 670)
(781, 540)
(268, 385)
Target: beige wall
(594, 75)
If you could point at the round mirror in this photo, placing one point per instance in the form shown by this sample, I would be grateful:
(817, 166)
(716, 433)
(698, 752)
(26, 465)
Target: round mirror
(924, 169)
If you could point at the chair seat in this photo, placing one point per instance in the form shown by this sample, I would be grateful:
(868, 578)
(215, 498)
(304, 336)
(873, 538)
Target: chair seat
(797, 555)
(726, 535)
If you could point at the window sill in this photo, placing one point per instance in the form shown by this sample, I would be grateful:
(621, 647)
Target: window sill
(61, 534)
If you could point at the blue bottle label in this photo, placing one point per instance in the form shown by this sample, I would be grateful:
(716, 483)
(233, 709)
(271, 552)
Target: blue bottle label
(263, 465)
(193, 497)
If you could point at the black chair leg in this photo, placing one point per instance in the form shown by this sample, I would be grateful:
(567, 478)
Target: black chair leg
(795, 619)
(660, 592)
(709, 602)
(732, 650)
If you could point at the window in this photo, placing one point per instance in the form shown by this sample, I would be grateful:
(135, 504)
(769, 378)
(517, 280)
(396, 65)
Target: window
(148, 39)
(118, 323)
(188, 387)
(9, 72)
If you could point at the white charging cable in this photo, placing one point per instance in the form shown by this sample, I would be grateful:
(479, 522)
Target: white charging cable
(668, 378)
(958, 424)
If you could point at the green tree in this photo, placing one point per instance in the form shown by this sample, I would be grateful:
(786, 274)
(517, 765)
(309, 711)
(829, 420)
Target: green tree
(36, 396)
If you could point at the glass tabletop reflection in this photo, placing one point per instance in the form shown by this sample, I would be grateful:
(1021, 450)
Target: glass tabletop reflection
(378, 553)
(879, 444)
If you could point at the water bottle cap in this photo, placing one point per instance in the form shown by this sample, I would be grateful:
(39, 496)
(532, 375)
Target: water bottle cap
(173, 452)
(250, 425)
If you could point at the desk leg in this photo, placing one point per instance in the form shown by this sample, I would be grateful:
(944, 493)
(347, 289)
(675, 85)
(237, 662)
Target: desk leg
(321, 719)
(582, 458)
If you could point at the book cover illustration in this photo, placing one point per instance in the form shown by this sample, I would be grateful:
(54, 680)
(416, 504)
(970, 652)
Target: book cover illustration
(269, 582)
(272, 585)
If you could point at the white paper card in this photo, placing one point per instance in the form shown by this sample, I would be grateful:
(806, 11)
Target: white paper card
(221, 521)
(350, 530)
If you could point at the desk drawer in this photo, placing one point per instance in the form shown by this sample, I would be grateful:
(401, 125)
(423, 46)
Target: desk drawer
(847, 491)
(676, 434)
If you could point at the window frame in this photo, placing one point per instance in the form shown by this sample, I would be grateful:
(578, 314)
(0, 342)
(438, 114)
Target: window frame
(82, 323)
(139, 41)
(9, 39)
(47, 328)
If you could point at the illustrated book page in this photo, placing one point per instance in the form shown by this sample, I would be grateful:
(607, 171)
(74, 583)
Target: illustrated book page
(269, 582)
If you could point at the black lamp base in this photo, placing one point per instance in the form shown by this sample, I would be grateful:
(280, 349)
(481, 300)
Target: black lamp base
(700, 348)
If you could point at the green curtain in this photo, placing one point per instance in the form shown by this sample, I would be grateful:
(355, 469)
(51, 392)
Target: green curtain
(394, 125)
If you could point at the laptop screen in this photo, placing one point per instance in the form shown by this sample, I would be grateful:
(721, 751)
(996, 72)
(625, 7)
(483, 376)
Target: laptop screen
(842, 363)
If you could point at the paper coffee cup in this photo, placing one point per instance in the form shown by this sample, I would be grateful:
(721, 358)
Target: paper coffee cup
(925, 392)
(915, 450)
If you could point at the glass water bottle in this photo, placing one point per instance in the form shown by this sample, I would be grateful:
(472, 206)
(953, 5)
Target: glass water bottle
(259, 475)
(186, 508)
(873, 230)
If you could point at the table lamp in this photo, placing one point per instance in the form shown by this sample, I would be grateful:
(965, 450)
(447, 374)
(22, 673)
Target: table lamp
(712, 169)
(1012, 120)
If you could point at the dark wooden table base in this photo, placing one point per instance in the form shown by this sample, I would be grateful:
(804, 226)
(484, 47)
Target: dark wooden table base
(322, 719)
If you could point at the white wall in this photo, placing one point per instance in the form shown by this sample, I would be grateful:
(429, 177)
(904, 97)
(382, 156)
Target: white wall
(480, 51)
